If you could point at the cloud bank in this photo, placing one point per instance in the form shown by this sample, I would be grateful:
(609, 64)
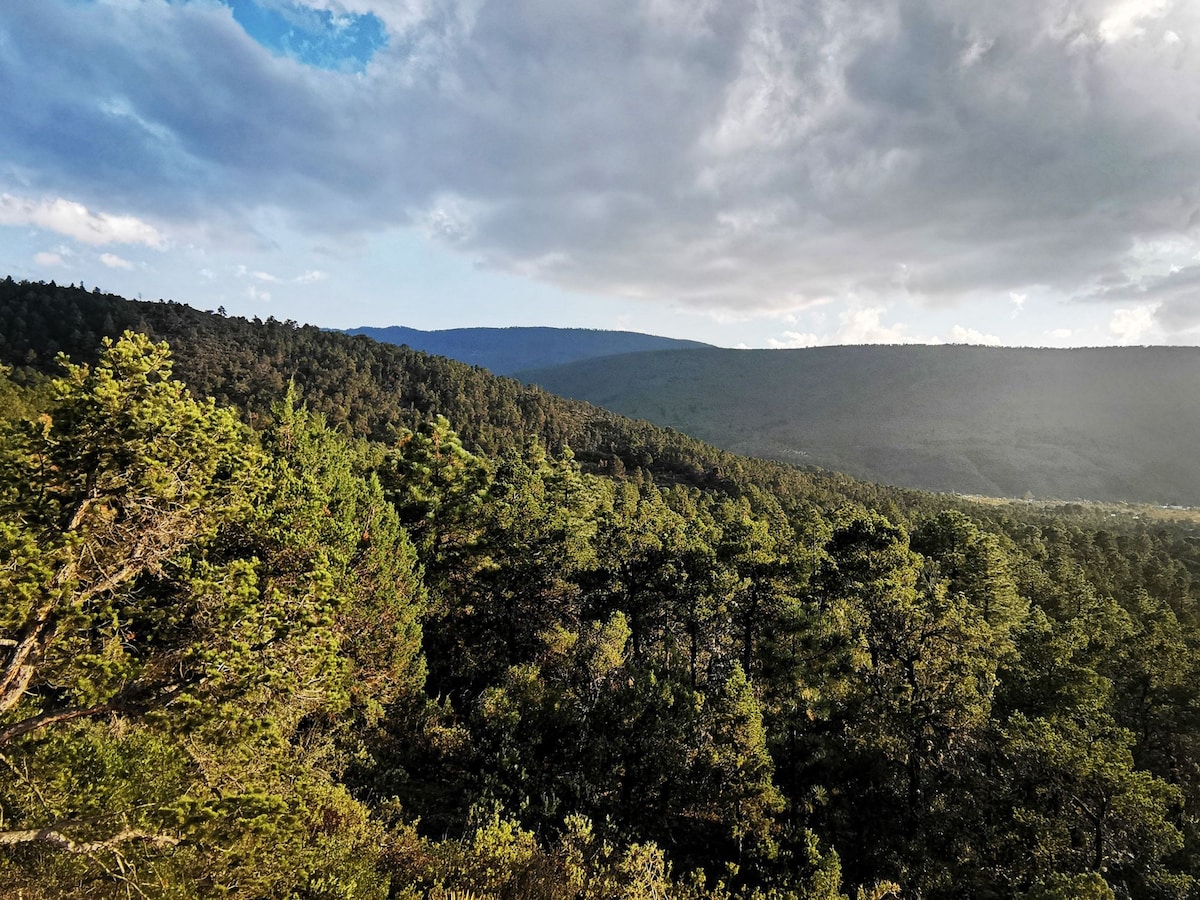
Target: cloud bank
(715, 156)
(74, 220)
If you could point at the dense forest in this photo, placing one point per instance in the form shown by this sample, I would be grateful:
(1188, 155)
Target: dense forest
(286, 613)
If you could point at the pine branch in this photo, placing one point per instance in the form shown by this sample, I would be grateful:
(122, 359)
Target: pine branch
(135, 698)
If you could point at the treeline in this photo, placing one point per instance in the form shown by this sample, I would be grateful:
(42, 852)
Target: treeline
(287, 661)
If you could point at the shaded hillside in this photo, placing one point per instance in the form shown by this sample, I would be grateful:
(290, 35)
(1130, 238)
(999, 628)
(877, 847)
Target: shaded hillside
(1104, 423)
(507, 350)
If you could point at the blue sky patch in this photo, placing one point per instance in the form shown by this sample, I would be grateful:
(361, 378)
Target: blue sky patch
(318, 38)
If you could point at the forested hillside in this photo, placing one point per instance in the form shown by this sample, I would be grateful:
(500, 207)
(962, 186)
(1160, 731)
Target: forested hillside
(504, 351)
(255, 649)
(1111, 423)
(361, 387)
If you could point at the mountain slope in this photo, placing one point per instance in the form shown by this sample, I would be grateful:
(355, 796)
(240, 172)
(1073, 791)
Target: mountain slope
(1117, 423)
(507, 350)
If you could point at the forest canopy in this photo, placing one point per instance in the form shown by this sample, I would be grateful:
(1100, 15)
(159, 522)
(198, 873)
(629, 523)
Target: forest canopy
(252, 650)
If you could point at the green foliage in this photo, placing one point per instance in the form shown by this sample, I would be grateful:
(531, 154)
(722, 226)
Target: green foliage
(1067, 887)
(1079, 803)
(175, 609)
(740, 767)
(283, 661)
(107, 504)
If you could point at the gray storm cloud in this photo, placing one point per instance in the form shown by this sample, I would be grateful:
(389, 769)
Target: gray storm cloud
(717, 155)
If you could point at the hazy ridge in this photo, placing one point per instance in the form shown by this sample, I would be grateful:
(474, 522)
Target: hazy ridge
(1113, 423)
(507, 350)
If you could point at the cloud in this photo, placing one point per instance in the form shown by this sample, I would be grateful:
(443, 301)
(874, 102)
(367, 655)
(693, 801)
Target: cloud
(1174, 296)
(1130, 18)
(961, 335)
(266, 277)
(48, 259)
(449, 219)
(858, 325)
(1132, 324)
(74, 220)
(115, 262)
(792, 340)
(311, 276)
(713, 156)
(864, 326)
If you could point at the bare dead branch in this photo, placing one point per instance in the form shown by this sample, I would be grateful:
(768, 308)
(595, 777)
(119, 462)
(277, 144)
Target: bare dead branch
(51, 835)
(18, 671)
(34, 723)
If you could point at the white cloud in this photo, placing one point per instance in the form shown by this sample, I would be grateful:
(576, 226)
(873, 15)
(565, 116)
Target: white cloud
(310, 276)
(1128, 18)
(115, 262)
(74, 220)
(1018, 301)
(1060, 333)
(265, 277)
(1133, 324)
(858, 325)
(258, 295)
(961, 335)
(792, 340)
(48, 259)
(863, 326)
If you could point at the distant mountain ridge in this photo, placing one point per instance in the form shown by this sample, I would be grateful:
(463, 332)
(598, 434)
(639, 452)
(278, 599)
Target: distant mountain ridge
(507, 350)
(1114, 423)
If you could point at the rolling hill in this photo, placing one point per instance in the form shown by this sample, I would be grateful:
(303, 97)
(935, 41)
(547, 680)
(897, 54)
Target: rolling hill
(1116, 423)
(507, 350)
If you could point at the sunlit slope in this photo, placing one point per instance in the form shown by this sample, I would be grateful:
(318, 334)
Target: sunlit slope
(1115, 423)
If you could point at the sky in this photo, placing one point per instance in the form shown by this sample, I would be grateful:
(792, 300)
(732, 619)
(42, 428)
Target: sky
(766, 173)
